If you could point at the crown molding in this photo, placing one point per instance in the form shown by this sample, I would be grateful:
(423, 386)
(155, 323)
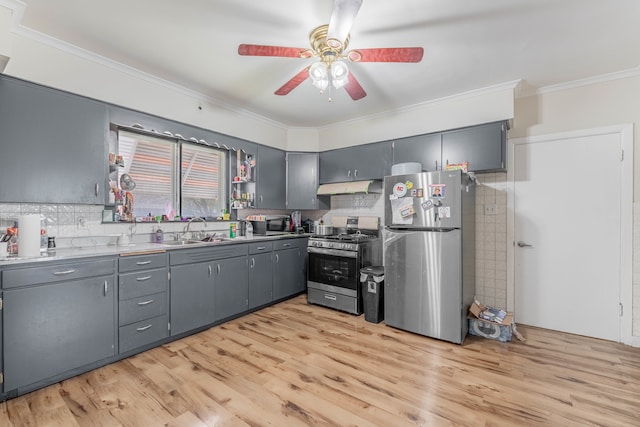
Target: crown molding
(17, 8)
(603, 78)
(510, 85)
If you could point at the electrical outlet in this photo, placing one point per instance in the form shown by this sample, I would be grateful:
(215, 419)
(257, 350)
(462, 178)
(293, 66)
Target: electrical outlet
(82, 222)
(490, 209)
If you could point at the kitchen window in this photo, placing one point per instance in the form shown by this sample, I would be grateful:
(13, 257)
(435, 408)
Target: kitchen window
(173, 176)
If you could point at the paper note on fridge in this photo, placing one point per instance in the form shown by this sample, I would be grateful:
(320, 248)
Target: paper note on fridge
(444, 212)
(403, 211)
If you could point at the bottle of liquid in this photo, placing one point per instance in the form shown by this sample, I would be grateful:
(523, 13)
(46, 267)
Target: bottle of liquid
(159, 234)
(249, 231)
(232, 230)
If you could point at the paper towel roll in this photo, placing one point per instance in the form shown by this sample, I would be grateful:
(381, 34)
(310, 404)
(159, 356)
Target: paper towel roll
(29, 235)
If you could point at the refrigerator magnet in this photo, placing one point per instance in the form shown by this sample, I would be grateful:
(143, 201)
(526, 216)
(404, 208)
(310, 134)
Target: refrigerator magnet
(437, 190)
(426, 205)
(407, 211)
(444, 212)
(400, 189)
(409, 185)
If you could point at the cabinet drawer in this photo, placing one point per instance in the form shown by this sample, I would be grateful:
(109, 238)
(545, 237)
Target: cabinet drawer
(142, 262)
(145, 307)
(57, 272)
(143, 333)
(188, 256)
(256, 248)
(289, 244)
(141, 283)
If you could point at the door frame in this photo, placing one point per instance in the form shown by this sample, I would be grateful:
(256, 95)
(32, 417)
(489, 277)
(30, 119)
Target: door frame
(626, 218)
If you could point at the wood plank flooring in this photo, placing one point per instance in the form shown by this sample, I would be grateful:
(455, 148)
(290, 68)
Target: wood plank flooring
(295, 364)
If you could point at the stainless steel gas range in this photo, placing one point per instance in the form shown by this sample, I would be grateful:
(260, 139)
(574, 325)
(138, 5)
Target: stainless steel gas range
(335, 262)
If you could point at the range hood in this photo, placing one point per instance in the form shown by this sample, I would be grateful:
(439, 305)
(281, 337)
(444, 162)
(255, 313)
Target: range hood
(350, 187)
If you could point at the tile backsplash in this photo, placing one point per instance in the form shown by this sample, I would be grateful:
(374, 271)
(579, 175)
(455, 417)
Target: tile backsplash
(81, 225)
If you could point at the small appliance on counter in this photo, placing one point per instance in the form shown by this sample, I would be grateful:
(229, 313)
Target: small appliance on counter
(268, 224)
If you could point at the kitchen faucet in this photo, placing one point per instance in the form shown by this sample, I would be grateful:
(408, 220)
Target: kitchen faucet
(186, 228)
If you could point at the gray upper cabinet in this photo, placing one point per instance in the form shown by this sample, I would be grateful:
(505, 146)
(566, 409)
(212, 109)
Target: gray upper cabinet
(483, 146)
(302, 182)
(53, 145)
(271, 178)
(424, 149)
(362, 162)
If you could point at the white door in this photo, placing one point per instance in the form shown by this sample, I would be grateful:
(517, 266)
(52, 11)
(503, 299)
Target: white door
(567, 229)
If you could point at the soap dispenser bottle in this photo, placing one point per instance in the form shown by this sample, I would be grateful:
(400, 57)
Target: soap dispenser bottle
(159, 235)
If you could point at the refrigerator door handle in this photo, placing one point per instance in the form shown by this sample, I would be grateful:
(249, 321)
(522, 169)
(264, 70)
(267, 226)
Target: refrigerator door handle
(522, 244)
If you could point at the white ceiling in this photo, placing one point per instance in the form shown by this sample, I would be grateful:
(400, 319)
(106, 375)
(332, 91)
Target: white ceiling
(469, 45)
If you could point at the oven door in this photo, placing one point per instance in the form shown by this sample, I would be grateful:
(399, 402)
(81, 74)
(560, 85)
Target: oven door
(334, 268)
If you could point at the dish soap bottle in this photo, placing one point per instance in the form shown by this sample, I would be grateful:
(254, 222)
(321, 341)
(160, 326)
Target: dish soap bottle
(159, 236)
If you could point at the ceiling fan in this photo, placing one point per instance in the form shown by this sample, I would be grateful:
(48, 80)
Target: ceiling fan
(329, 43)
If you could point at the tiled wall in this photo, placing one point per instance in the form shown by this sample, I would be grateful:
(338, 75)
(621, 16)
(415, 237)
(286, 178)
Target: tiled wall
(63, 222)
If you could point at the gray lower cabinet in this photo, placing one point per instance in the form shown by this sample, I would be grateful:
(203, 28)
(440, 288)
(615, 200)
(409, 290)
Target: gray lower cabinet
(260, 274)
(143, 307)
(192, 297)
(271, 178)
(195, 275)
(289, 268)
(302, 182)
(57, 319)
(232, 287)
(55, 142)
(362, 162)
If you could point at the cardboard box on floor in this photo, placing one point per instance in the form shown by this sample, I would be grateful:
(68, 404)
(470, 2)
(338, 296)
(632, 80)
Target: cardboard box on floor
(485, 328)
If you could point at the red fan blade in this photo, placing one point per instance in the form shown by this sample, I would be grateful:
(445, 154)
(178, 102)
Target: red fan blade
(263, 50)
(388, 54)
(354, 89)
(294, 82)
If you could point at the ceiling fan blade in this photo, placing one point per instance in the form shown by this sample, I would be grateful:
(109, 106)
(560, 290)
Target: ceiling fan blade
(387, 54)
(263, 50)
(354, 89)
(342, 18)
(294, 82)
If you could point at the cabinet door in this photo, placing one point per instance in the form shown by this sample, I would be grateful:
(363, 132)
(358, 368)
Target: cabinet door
(424, 149)
(53, 144)
(288, 273)
(232, 287)
(370, 161)
(271, 179)
(51, 329)
(302, 181)
(260, 279)
(192, 296)
(484, 147)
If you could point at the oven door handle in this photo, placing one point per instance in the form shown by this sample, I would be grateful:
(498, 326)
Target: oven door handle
(334, 252)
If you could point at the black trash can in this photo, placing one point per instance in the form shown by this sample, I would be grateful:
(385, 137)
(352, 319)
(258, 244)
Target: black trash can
(372, 279)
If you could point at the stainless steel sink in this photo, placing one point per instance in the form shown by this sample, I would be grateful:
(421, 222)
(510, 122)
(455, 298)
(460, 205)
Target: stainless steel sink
(183, 242)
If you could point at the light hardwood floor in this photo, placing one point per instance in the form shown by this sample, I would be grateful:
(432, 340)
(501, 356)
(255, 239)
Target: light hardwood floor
(296, 364)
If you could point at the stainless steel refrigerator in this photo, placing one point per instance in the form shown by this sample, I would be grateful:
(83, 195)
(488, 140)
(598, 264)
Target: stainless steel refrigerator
(429, 253)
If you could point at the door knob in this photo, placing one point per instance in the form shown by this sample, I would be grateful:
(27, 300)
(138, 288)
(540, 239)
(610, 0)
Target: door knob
(524, 245)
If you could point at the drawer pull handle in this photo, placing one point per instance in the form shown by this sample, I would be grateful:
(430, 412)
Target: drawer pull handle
(218, 269)
(106, 288)
(210, 271)
(331, 297)
(261, 248)
(143, 328)
(61, 273)
(143, 262)
(253, 262)
(145, 302)
(142, 279)
(286, 244)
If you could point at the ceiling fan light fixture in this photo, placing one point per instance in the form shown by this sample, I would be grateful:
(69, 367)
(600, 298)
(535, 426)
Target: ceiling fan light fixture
(319, 75)
(339, 74)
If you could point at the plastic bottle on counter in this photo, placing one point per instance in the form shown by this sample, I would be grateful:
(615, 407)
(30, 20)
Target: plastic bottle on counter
(159, 234)
(249, 231)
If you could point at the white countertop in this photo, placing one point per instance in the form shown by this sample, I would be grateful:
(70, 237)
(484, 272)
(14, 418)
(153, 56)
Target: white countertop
(131, 249)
